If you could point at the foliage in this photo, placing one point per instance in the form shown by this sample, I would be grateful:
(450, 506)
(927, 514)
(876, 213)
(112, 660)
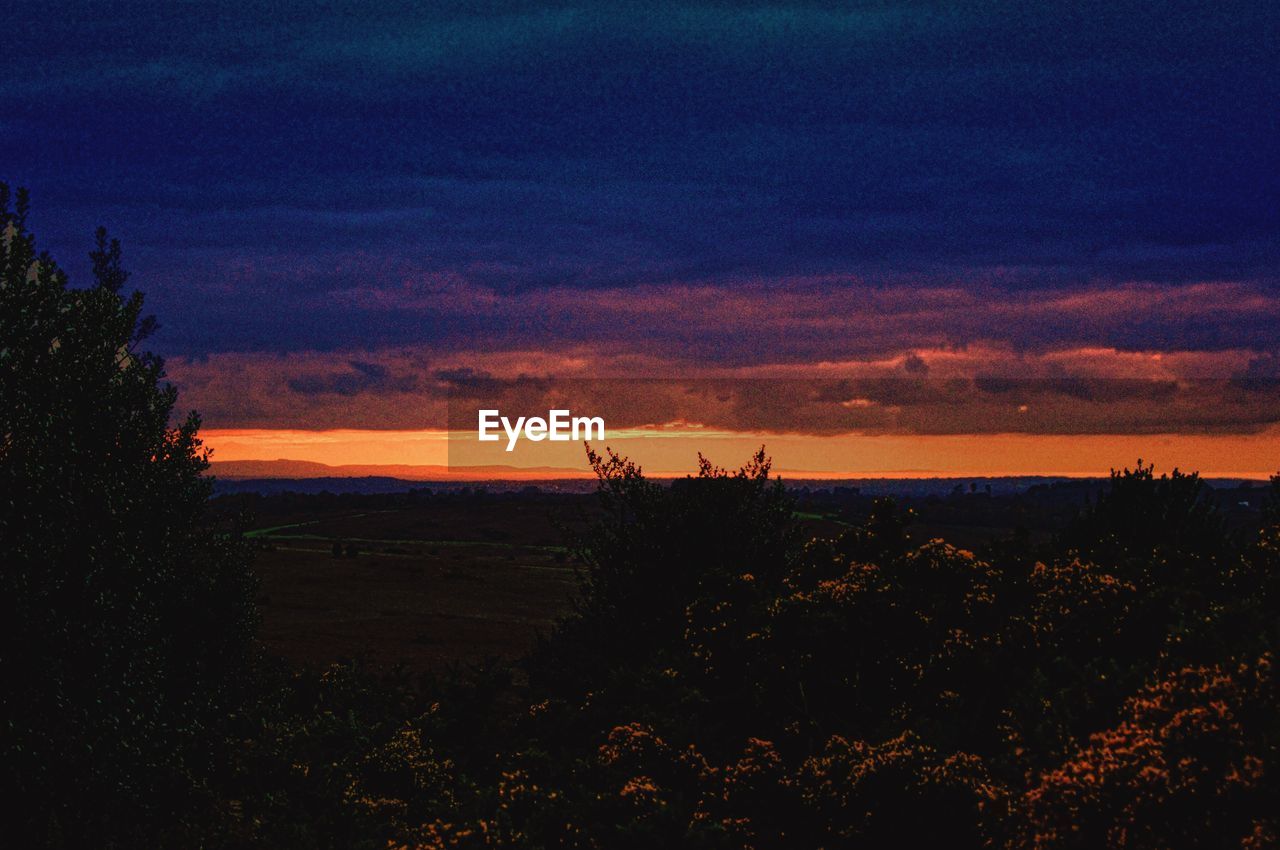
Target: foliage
(1111, 688)
(126, 622)
(1185, 766)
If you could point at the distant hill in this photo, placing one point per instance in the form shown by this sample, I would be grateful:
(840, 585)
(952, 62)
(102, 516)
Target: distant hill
(370, 485)
(227, 470)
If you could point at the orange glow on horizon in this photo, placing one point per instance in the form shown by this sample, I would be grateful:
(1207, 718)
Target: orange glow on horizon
(666, 452)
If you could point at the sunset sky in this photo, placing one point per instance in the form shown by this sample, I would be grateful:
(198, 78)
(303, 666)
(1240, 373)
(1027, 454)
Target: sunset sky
(885, 238)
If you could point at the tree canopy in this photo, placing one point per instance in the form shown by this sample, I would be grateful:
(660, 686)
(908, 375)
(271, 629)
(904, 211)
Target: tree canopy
(126, 621)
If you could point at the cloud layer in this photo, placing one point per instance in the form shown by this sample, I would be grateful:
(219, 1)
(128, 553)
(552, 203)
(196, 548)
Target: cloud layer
(334, 209)
(812, 358)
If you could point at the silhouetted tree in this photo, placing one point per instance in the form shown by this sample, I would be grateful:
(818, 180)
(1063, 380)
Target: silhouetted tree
(126, 623)
(661, 548)
(1141, 514)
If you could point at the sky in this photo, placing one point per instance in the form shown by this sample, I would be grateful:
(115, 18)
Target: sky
(813, 222)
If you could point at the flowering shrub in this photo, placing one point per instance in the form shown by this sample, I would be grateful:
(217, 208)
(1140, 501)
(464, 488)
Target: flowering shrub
(1190, 764)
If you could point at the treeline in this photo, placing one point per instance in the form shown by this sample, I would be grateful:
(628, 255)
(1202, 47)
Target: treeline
(724, 681)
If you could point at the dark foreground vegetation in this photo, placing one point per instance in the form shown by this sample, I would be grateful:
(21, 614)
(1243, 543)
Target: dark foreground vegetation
(724, 679)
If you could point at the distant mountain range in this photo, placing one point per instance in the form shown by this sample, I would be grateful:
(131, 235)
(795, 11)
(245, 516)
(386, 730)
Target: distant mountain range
(231, 470)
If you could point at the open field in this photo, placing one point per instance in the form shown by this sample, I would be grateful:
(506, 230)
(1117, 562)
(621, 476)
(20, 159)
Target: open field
(424, 586)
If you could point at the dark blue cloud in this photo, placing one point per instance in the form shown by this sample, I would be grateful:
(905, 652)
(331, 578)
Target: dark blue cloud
(258, 158)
